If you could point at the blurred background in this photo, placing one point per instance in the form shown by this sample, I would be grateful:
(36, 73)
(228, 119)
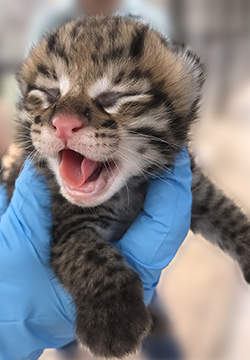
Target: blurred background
(202, 290)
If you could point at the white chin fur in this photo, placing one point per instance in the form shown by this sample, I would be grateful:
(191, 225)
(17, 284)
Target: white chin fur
(89, 201)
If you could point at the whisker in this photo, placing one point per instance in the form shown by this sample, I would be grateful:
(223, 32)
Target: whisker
(126, 184)
(23, 125)
(146, 158)
(150, 137)
(31, 156)
(107, 162)
(126, 158)
(142, 171)
(159, 165)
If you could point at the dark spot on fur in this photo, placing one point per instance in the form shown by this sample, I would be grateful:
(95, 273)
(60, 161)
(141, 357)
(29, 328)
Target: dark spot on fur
(98, 42)
(52, 39)
(209, 193)
(200, 209)
(226, 231)
(233, 223)
(109, 287)
(216, 223)
(95, 58)
(219, 203)
(137, 45)
(118, 257)
(42, 164)
(97, 284)
(100, 246)
(240, 250)
(86, 273)
(141, 150)
(153, 137)
(99, 261)
(110, 124)
(159, 98)
(111, 271)
(226, 213)
(244, 229)
(54, 75)
(30, 88)
(42, 69)
(90, 255)
(62, 54)
(74, 33)
(119, 78)
(113, 54)
(76, 30)
(36, 131)
(73, 269)
(113, 33)
(137, 73)
(37, 119)
(151, 170)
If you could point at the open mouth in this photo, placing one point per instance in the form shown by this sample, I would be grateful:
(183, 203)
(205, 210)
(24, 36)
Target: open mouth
(83, 177)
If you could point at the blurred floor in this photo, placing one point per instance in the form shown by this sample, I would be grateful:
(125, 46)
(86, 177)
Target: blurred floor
(202, 289)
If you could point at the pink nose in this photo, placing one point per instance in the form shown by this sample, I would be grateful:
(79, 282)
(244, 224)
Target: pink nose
(66, 126)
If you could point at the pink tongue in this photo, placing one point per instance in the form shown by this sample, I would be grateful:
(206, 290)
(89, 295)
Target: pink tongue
(75, 169)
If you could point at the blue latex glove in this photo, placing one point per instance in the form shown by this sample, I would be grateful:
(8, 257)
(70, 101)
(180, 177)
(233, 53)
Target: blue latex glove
(35, 312)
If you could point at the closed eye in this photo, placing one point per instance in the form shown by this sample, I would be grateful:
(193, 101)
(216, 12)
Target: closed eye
(110, 101)
(47, 96)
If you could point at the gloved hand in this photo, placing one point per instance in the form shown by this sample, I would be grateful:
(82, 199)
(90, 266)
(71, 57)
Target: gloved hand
(35, 312)
(154, 238)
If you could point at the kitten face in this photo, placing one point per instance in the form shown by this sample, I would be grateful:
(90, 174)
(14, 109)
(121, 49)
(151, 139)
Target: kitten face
(104, 100)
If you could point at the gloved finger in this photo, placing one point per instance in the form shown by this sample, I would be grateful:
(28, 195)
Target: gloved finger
(31, 206)
(152, 241)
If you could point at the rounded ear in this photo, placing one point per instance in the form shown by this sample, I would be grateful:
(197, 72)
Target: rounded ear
(192, 63)
(191, 81)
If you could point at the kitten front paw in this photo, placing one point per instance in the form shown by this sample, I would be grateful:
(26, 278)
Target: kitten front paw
(115, 320)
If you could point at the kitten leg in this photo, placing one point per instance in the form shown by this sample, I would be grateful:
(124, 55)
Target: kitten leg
(219, 220)
(112, 319)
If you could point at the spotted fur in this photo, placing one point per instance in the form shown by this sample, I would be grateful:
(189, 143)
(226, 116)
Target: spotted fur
(138, 98)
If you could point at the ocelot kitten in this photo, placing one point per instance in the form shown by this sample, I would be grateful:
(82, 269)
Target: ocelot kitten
(105, 103)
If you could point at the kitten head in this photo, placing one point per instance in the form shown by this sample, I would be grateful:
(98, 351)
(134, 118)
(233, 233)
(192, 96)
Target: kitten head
(107, 100)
